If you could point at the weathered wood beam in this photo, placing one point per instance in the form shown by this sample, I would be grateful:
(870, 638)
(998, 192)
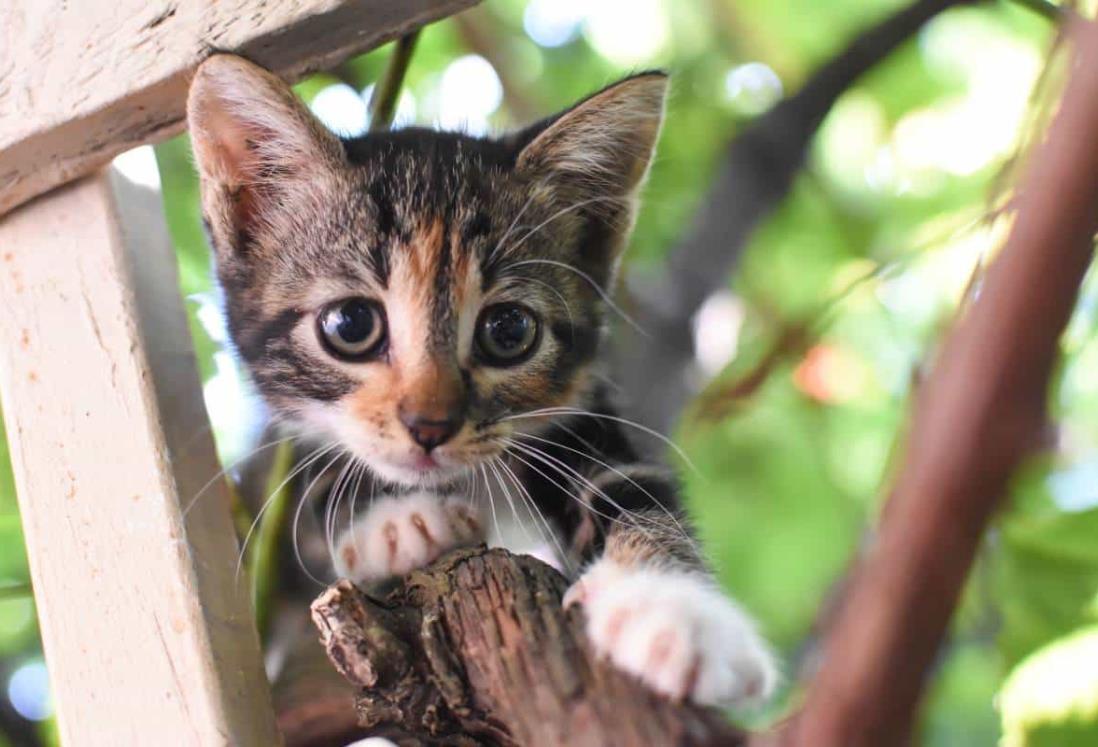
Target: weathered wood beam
(147, 630)
(83, 82)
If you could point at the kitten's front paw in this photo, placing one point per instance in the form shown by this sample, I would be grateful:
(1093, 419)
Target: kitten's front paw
(677, 632)
(400, 534)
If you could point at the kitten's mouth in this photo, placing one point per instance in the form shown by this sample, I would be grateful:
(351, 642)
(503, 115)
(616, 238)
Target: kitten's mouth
(423, 469)
(426, 463)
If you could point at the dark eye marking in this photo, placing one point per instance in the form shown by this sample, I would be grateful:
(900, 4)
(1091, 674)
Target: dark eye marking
(383, 205)
(476, 227)
(254, 338)
(579, 341)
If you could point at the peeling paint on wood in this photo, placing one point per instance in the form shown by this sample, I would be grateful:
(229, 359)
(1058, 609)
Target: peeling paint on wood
(83, 82)
(146, 626)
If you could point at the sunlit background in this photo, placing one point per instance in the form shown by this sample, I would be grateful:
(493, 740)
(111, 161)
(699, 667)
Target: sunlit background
(880, 236)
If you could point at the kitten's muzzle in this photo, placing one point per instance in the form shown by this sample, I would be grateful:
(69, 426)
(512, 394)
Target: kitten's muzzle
(433, 406)
(430, 433)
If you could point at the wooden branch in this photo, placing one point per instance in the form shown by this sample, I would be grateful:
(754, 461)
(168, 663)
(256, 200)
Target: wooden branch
(475, 650)
(980, 412)
(314, 705)
(82, 82)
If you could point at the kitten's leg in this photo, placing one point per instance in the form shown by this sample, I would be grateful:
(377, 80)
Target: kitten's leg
(655, 610)
(399, 534)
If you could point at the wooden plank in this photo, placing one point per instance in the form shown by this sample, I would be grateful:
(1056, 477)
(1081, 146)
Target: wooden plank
(148, 632)
(80, 82)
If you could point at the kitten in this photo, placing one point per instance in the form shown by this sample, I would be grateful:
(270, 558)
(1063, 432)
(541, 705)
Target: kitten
(434, 303)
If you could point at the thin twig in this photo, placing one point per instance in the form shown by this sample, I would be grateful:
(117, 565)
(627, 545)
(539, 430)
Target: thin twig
(242, 517)
(16, 591)
(383, 101)
(264, 559)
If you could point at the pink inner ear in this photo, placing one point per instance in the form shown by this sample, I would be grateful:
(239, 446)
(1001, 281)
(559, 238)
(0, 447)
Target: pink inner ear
(228, 154)
(605, 141)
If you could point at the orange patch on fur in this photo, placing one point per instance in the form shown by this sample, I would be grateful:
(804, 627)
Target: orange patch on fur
(375, 402)
(423, 256)
(350, 557)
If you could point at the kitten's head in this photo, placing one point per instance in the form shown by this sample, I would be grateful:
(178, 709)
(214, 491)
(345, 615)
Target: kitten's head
(408, 293)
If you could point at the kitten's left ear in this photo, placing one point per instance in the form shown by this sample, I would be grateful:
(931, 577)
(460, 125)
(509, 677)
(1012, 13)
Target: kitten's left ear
(259, 150)
(602, 146)
(247, 126)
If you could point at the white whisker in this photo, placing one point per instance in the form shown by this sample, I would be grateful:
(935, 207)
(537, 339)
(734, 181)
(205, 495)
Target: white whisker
(507, 494)
(317, 454)
(297, 517)
(569, 472)
(236, 463)
(610, 468)
(551, 289)
(335, 495)
(563, 211)
(550, 411)
(529, 500)
(595, 286)
(563, 489)
(510, 228)
(491, 501)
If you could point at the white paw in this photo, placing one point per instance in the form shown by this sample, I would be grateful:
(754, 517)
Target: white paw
(677, 632)
(400, 534)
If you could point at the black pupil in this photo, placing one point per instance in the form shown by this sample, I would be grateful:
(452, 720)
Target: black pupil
(508, 328)
(356, 322)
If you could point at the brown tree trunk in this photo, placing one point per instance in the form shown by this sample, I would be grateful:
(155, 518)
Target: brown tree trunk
(980, 412)
(476, 650)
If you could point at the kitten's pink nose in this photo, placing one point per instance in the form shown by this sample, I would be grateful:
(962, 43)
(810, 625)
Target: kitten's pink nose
(429, 433)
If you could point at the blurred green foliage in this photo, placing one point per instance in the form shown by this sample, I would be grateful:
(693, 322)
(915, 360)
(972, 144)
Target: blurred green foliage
(899, 181)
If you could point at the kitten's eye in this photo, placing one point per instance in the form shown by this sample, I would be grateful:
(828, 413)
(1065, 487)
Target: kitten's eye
(352, 329)
(506, 334)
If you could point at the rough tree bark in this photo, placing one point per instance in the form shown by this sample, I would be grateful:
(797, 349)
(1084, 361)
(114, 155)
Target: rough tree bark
(476, 650)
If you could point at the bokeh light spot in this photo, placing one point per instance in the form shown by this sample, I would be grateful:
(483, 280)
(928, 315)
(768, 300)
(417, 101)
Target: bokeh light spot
(29, 691)
(717, 331)
(470, 92)
(552, 23)
(627, 32)
(753, 88)
(341, 110)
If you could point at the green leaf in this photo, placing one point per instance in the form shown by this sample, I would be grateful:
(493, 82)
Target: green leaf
(1047, 578)
(1051, 699)
(963, 693)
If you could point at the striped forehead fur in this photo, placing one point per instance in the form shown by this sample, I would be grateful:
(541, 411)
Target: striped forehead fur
(439, 225)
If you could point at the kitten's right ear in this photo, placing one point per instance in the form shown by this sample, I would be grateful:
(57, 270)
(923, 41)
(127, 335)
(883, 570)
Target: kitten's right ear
(602, 146)
(255, 142)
